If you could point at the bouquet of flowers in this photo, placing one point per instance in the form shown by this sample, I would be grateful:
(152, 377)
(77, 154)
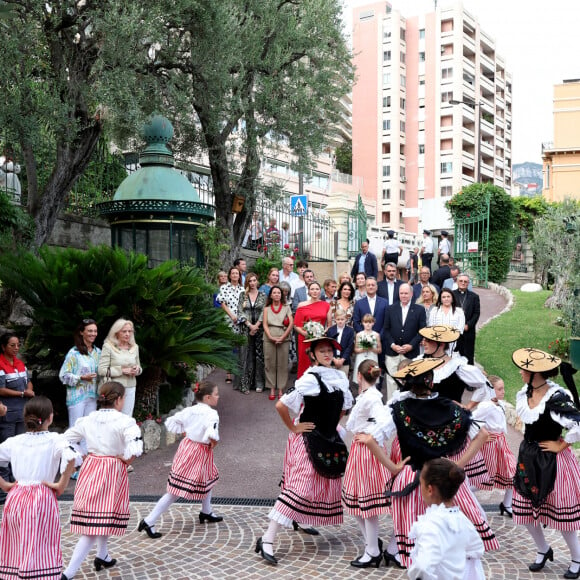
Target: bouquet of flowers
(368, 341)
(313, 329)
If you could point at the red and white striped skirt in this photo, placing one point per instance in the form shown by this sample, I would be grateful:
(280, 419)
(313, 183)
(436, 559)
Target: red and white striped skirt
(30, 534)
(561, 508)
(101, 502)
(365, 479)
(306, 496)
(406, 510)
(499, 461)
(476, 470)
(193, 472)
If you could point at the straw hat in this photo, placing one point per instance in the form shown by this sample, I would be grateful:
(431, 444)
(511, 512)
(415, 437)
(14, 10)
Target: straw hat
(317, 334)
(418, 367)
(535, 360)
(440, 333)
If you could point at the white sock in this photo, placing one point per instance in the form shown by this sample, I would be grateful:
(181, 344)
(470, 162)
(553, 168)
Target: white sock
(392, 548)
(102, 551)
(269, 537)
(206, 503)
(164, 503)
(507, 498)
(361, 524)
(372, 527)
(571, 538)
(81, 551)
(538, 536)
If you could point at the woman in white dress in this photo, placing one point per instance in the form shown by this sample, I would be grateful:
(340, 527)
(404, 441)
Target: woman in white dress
(447, 312)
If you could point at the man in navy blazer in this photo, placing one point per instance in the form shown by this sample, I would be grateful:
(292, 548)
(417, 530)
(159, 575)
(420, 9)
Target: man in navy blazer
(401, 338)
(389, 287)
(344, 335)
(370, 304)
(365, 262)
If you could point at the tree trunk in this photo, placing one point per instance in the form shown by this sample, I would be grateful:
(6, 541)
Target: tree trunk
(147, 390)
(560, 292)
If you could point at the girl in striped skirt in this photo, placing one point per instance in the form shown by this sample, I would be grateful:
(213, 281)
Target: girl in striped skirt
(365, 478)
(311, 482)
(427, 427)
(101, 500)
(547, 481)
(193, 472)
(499, 460)
(30, 531)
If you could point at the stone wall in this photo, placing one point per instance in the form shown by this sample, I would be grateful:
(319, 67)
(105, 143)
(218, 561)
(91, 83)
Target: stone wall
(72, 231)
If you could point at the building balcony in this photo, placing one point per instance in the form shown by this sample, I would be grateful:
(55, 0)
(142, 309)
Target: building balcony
(486, 63)
(468, 43)
(487, 149)
(468, 137)
(486, 86)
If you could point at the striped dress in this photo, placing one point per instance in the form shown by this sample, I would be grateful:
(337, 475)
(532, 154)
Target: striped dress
(30, 530)
(365, 479)
(193, 472)
(306, 496)
(560, 509)
(101, 500)
(499, 460)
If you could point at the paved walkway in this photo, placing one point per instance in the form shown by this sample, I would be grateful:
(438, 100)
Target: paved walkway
(249, 459)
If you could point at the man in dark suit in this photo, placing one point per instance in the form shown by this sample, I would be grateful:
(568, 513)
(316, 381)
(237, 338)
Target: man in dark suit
(424, 277)
(401, 338)
(443, 272)
(469, 301)
(365, 262)
(370, 304)
(344, 335)
(389, 287)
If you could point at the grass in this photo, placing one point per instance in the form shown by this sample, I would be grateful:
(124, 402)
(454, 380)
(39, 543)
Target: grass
(528, 324)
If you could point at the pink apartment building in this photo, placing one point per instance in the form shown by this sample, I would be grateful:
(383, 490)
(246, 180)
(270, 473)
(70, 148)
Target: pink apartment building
(431, 112)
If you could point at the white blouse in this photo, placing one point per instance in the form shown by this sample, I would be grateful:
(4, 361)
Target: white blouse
(108, 432)
(529, 416)
(446, 546)
(493, 415)
(455, 319)
(200, 423)
(307, 386)
(36, 456)
(364, 416)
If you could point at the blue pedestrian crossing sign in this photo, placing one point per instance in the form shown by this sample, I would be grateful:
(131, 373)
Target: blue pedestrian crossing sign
(299, 205)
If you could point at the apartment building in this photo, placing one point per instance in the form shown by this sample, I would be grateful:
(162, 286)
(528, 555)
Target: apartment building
(431, 112)
(561, 158)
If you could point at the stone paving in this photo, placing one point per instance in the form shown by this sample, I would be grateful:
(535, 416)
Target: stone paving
(189, 550)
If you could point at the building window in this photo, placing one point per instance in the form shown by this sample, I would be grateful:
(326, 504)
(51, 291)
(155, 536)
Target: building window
(401, 150)
(402, 126)
(403, 80)
(386, 194)
(446, 191)
(421, 82)
(421, 149)
(386, 124)
(402, 174)
(402, 194)
(446, 96)
(421, 33)
(386, 102)
(402, 57)
(402, 34)
(386, 79)
(386, 148)
(400, 217)
(386, 170)
(447, 73)
(447, 167)
(421, 57)
(386, 217)
(386, 34)
(402, 103)
(386, 55)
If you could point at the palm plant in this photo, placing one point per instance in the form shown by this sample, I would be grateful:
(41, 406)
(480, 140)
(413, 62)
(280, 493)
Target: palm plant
(171, 307)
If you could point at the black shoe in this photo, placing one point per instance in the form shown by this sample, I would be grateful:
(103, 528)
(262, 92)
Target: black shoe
(569, 574)
(100, 563)
(537, 566)
(143, 525)
(259, 549)
(63, 577)
(390, 558)
(374, 561)
(503, 509)
(310, 530)
(209, 518)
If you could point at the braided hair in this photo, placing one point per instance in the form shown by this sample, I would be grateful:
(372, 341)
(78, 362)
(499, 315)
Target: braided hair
(109, 393)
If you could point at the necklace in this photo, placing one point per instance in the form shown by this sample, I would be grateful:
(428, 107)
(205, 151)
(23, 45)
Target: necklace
(539, 387)
(275, 311)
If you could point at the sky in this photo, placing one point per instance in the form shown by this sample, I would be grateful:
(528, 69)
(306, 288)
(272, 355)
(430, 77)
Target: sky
(540, 43)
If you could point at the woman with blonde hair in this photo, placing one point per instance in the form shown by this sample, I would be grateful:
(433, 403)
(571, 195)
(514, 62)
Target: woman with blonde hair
(120, 360)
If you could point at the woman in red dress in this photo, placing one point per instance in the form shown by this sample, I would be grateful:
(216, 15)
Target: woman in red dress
(314, 310)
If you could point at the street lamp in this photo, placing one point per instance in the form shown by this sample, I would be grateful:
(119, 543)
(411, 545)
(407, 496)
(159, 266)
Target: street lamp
(475, 105)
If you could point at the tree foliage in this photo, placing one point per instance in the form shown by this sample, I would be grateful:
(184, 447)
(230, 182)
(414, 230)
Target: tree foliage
(171, 307)
(344, 157)
(556, 247)
(16, 226)
(472, 200)
(528, 209)
(249, 76)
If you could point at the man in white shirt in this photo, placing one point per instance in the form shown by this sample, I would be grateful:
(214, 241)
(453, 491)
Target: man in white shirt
(427, 249)
(286, 273)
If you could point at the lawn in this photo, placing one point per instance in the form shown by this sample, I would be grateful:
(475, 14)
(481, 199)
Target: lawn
(528, 323)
